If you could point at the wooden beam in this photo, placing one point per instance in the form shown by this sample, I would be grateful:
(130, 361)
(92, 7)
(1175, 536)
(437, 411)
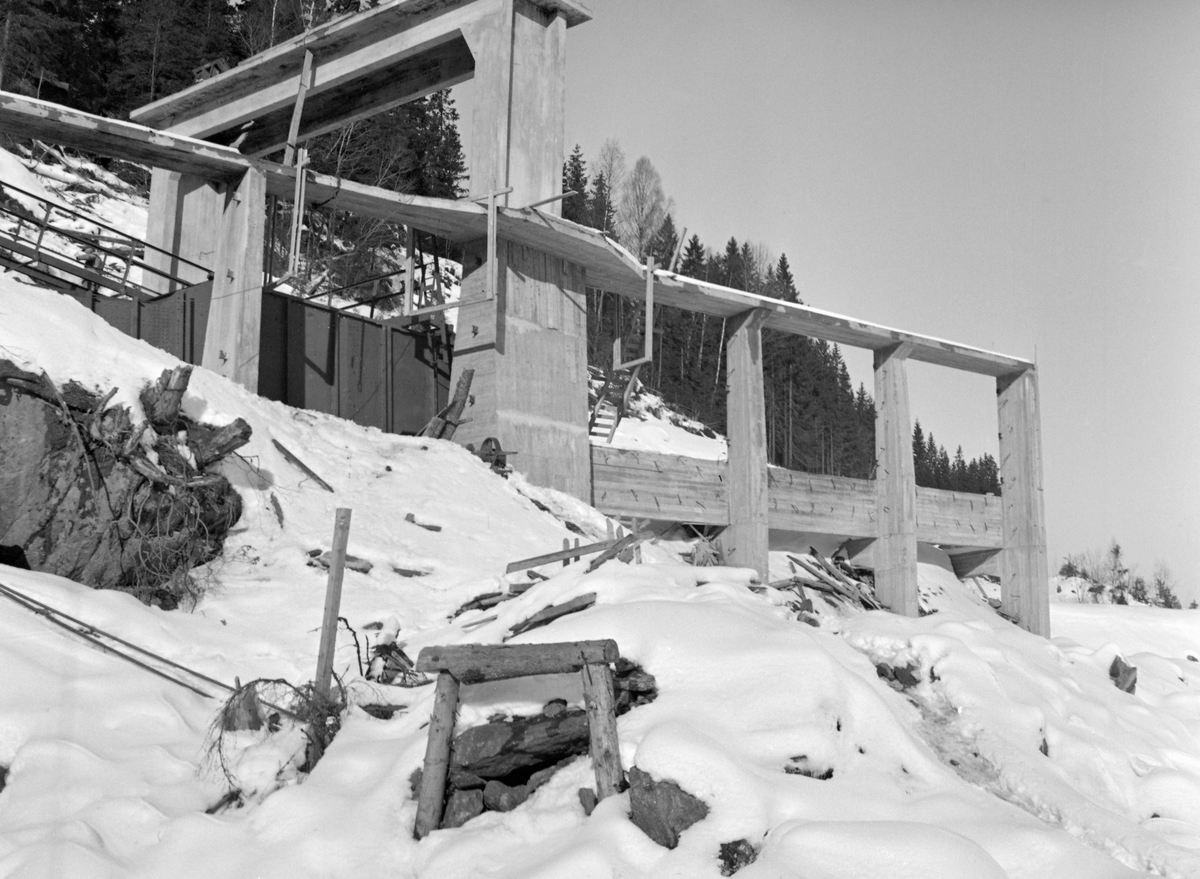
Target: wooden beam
(895, 549)
(476, 663)
(231, 342)
(602, 729)
(745, 542)
(437, 756)
(1024, 571)
(973, 562)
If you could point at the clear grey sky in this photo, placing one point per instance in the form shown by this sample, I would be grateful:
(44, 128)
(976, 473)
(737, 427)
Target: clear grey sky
(1019, 176)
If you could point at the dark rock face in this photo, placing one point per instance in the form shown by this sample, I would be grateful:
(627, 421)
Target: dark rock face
(72, 505)
(662, 809)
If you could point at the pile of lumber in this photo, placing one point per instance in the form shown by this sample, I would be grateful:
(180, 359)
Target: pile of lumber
(819, 573)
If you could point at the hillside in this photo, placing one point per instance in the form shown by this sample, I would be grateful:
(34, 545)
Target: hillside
(1005, 756)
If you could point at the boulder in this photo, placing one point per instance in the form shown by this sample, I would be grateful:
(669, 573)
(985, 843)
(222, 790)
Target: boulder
(499, 750)
(662, 809)
(462, 806)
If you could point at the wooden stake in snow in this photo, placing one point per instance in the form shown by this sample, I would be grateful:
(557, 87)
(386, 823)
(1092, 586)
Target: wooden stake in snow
(333, 601)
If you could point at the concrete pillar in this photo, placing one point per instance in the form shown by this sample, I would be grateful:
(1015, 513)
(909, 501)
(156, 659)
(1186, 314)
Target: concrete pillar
(184, 216)
(231, 342)
(745, 542)
(528, 346)
(529, 352)
(1024, 570)
(895, 550)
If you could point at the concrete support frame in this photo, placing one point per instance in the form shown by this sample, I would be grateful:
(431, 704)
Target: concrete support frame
(231, 345)
(745, 542)
(1024, 571)
(895, 549)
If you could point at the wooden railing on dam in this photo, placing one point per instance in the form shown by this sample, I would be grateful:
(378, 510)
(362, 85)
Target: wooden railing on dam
(676, 488)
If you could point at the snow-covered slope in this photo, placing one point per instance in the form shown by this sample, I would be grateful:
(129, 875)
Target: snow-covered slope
(1013, 756)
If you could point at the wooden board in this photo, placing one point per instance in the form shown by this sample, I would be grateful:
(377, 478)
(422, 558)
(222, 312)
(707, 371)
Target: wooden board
(475, 663)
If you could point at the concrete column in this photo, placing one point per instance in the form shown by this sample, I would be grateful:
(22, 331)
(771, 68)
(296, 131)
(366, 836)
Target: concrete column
(745, 542)
(895, 550)
(231, 342)
(533, 395)
(527, 346)
(184, 216)
(1024, 571)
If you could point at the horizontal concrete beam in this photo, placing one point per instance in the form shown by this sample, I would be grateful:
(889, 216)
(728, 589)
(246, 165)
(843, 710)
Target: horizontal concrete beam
(360, 64)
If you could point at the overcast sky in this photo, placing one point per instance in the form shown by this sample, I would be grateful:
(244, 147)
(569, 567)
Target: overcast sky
(1022, 177)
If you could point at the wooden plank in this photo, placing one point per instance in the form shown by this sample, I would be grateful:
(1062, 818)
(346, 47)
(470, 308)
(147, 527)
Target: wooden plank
(744, 543)
(301, 466)
(231, 341)
(895, 483)
(603, 745)
(549, 614)
(476, 663)
(559, 556)
(437, 756)
(333, 601)
(811, 502)
(1024, 570)
(958, 518)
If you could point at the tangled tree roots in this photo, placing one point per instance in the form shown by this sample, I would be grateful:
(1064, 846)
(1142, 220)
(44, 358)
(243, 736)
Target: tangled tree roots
(90, 496)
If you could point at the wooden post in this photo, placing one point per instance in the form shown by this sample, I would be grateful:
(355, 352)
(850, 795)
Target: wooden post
(745, 541)
(437, 756)
(895, 485)
(231, 343)
(602, 729)
(333, 601)
(1024, 572)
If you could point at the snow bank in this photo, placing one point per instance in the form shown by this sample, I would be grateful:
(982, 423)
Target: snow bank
(1013, 757)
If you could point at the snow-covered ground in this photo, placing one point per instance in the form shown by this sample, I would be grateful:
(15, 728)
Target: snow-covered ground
(1013, 757)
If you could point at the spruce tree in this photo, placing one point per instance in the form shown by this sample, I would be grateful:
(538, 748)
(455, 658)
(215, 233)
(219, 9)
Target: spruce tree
(575, 179)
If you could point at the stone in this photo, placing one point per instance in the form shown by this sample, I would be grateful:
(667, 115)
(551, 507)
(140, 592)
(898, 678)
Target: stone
(1123, 675)
(587, 799)
(735, 855)
(555, 707)
(500, 797)
(662, 809)
(462, 806)
(498, 750)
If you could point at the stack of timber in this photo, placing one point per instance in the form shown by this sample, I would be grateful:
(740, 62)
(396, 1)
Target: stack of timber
(819, 573)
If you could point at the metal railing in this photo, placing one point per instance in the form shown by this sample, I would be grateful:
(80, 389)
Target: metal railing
(38, 242)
